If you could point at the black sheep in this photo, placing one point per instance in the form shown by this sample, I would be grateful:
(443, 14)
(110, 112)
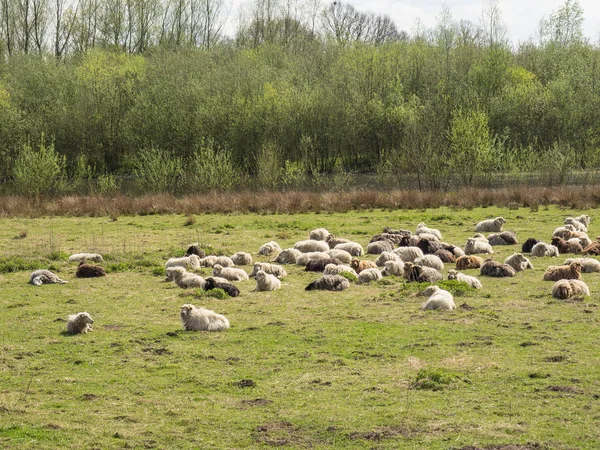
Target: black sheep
(229, 288)
(89, 271)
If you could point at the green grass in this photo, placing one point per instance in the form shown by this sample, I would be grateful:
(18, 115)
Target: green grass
(363, 368)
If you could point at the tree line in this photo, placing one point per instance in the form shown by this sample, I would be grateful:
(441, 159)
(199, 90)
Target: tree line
(302, 95)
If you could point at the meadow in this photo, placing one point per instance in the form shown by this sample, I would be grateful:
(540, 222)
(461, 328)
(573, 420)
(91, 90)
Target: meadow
(511, 368)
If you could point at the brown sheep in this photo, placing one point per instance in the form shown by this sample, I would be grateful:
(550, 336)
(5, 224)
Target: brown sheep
(491, 268)
(89, 271)
(593, 248)
(395, 238)
(445, 255)
(570, 272)
(566, 246)
(359, 265)
(468, 262)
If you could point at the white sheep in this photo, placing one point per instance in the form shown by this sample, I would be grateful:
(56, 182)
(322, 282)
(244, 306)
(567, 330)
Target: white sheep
(378, 247)
(565, 289)
(395, 268)
(475, 245)
(584, 219)
(354, 248)
(334, 269)
(490, 225)
(320, 234)
(368, 275)
(329, 283)
(385, 257)
(423, 229)
(208, 261)
(268, 248)
(191, 262)
(579, 226)
(342, 255)
(408, 254)
(288, 256)
(432, 261)
(519, 262)
(266, 282)
(470, 280)
(273, 269)
(224, 261)
(43, 276)
(230, 273)
(241, 259)
(185, 279)
(78, 257)
(311, 246)
(589, 264)
(564, 232)
(542, 249)
(438, 299)
(304, 258)
(79, 323)
(201, 319)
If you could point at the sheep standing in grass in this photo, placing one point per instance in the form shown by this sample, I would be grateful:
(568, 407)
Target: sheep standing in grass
(269, 248)
(518, 262)
(565, 289)
(368, 275)
(470, 280)
(79, 323)
(566, 246)
(329, 283)
(490, 225)
(378, 247)
(468, 262)
(241, 259)
(528, 245)
(395, 268)
(89, 271)
(185, 279)
(333, 269)
(342, 255)
(474, 245)
(288, 256)
(359, 265)
(320, 234)
(311, 246)
(503, 238)
(218, 283)
(491, 268)
(191, 262)
(385, 257)
(201, 319)
(273, 269)
(43, 276)
(589, 265)
(419, 274)
(570, 272)
(438, 299)
(266, 282)
(354, 248)
(542, 249)
(230, 273)
(424, 229)
(78, 257)
(408, 253)
(430, 261)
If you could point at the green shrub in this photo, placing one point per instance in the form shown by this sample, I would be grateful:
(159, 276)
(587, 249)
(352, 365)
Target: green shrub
(108, 185)
(158, 171)
(433, 379)
(211, 168)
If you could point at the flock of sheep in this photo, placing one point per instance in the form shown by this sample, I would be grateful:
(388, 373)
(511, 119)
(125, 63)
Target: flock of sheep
(417, 257)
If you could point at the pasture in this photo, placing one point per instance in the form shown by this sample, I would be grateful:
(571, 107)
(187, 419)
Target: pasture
(510, 368)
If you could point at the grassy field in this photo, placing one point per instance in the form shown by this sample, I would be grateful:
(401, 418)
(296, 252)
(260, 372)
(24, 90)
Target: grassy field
(511, 368)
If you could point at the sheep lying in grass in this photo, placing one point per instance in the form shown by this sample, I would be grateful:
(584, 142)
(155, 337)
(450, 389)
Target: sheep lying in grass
(273, 269)
(89, 271)
(570, 272)
(329, 283)
(579, 226)
(311, 246)
(208, 261)
(333, 269)
(241, 259)
(266, 282)
(475, 245)
(580, 237)
(528, 245)
(385, 257)
(195, 250)
(446, 256)
(288, 256)
(588, 265)
(565, 289)
(201, 319)
(470, 280)
(468, 262)
(342, 255)
(491, 225)
(191, 262)
(185, 279)
(218, 283)
(542, 249)
(503, 238)
(455, 250)
(305, 258)
(564, 232)
(419, 274)
(566, 246)
(230, 273)
(320, 234)
(593, 248)
(318, 265)
(408, 253)
(354, 248)
(401, 232)
(394, 238)
(491, 268)
(359, 265)
(332, 241)
(78, 257)
(43, 276)
(424, 229)
(378, 247)
(518, 262)
(368, 275)
(430, 261)
(395, 268)
(438, 299)
(584, 219)
(79, 323)
(428, 246)
(269, 248)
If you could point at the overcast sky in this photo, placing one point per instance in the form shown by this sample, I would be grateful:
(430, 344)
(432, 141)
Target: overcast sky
(521, 17)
